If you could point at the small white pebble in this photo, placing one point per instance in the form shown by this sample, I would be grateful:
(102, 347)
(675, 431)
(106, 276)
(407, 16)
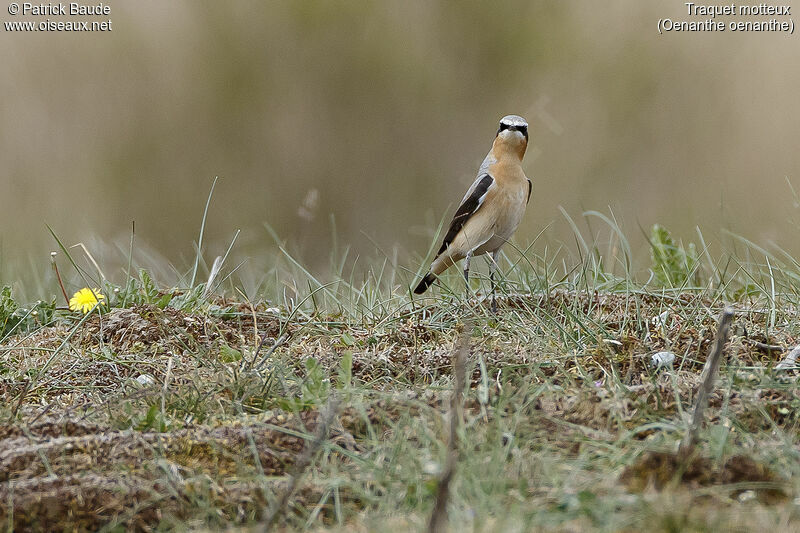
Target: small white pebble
(662, 359)
(432, 468)
(746, 496)
(145, 379)
(273, 310)
(660, 321)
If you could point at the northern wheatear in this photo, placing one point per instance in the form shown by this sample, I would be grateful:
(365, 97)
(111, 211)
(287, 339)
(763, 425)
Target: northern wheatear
(492, 208)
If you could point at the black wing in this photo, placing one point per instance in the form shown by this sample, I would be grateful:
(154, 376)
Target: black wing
(530, 189)
(467, 208)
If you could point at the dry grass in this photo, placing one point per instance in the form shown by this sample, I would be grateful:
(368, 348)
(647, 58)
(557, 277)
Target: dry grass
(567, 424)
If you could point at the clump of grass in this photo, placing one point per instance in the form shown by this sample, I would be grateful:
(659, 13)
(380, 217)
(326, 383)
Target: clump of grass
(673, 264)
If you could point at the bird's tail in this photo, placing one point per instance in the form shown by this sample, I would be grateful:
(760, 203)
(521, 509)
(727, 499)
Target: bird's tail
(425, 283)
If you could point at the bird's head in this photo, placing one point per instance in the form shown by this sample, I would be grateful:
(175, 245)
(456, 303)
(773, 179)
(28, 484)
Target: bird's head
(512, 137)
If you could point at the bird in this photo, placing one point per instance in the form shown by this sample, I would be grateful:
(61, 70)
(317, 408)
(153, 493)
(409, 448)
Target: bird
(492, 208)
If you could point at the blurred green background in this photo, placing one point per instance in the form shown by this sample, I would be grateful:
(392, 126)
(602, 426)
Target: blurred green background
(376, 115)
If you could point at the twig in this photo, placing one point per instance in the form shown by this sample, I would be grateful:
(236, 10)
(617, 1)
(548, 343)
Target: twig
(278, 342)
(21, 398)
(765, 347)
(790, 361)
(58, 276)
(438, 520)
(166, 386)
(707, 386)
(327, 416)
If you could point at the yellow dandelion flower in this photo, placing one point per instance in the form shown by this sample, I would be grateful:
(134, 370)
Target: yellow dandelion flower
(85, 300)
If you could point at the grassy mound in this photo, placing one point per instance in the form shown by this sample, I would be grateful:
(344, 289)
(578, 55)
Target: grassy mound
(167, 409)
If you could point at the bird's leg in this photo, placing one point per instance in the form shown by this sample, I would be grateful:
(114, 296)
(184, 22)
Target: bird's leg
(466, 268)
(492, 270)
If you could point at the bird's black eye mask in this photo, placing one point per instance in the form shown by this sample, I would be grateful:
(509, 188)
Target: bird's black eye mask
(522, 129)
